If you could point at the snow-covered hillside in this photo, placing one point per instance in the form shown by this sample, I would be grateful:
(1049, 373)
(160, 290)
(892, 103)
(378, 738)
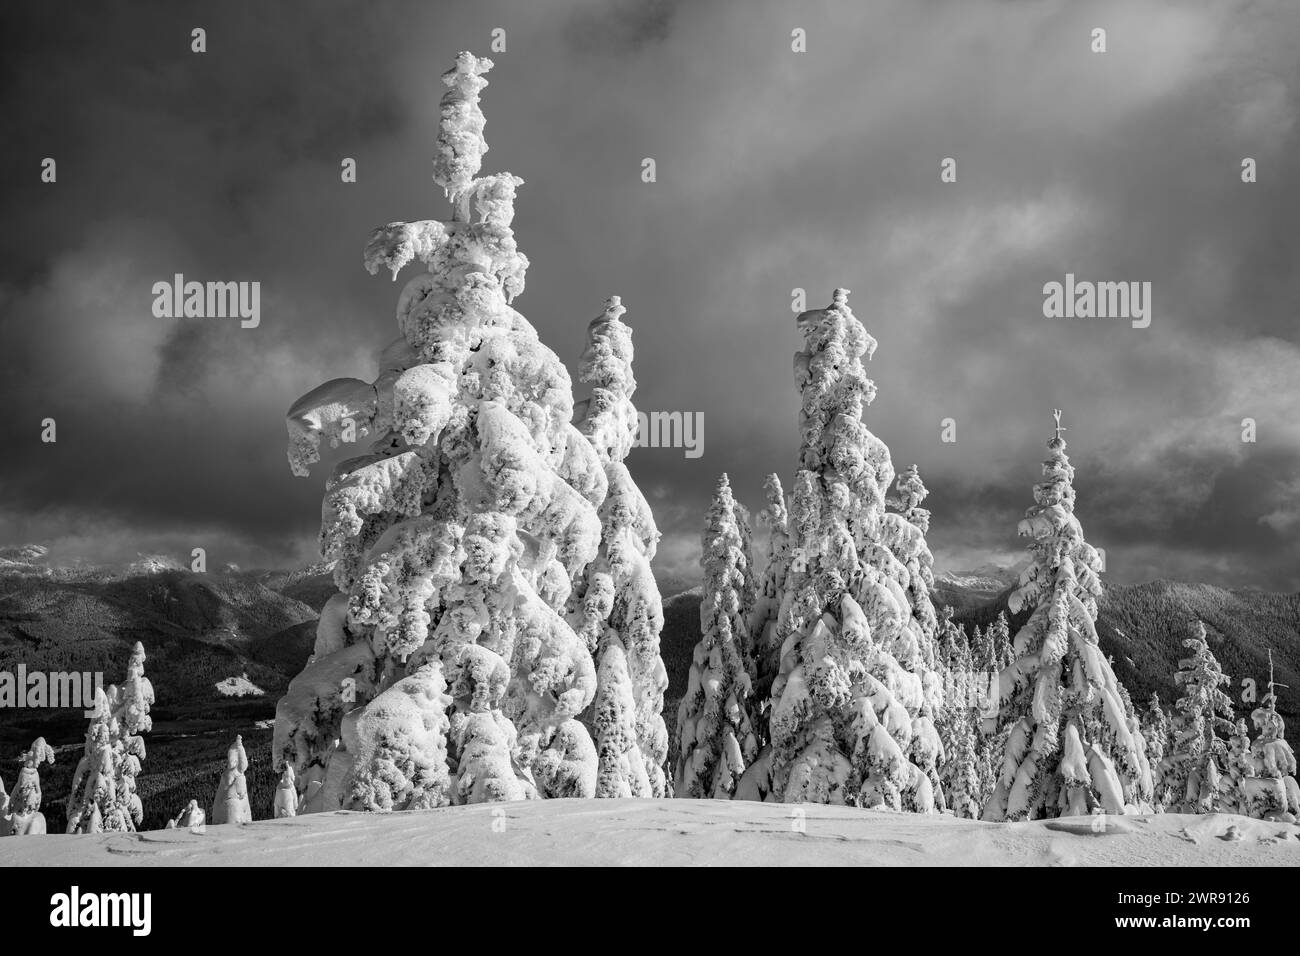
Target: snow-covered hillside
(677, 832)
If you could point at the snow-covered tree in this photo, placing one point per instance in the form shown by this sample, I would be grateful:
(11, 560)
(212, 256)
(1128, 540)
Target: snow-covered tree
(1155, 730)
(958, 718)
(981, 650)
(191, 817)
(616, 607)
(1237, 766)
(22, 816)
(990, 752)
(770, 588)
(1191, 764)
(1072, 741)
(716, 735)
(230, 805)
(103, 795)
(856, 691)
(1270, 791)
(964, 794)
(749, 582)
(999, 636)
(285, 803)
(447, 668)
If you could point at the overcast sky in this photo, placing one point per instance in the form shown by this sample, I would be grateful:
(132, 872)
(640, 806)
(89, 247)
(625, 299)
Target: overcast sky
(775, 170)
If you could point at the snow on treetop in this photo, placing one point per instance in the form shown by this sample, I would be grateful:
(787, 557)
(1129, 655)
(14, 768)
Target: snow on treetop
(460, 133)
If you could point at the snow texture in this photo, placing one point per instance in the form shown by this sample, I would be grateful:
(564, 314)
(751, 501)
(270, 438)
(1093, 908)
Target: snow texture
(679, 833)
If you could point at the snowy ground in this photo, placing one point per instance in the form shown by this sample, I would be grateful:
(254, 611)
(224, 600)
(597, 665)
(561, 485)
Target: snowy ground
(239, 687)
(677, 832)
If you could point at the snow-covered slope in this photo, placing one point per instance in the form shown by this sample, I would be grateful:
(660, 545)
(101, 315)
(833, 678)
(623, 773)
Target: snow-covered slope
(677, 832)
(238, 687)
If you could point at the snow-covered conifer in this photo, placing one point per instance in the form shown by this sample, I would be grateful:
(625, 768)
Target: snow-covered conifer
(981, 649)
(1192, 759)
(103, 795)
(717, 739)
(24, 817)
(1237, 765)
(191, 817)
(1270, 792)
(616, 607)
(999, 636)
(1155, 730)
(856, 691)
(963, 778)
(230, 805)
(1072, 741)
(447, 669)
(286, 794)
(770, 588)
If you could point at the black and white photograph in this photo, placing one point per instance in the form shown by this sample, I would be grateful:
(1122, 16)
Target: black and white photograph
(652, 434)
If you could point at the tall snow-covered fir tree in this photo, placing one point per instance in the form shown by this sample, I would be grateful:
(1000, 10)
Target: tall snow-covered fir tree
(616, 606)
(1155, 730)
(445, 670)
(1071, 749)
(959, 719)
(717, 739)
(103, 795)
(1204, 712)
(999, 635)
(855, 694)
(769, 590)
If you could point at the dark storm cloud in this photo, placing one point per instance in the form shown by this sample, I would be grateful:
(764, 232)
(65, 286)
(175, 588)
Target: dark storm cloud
(775, 170)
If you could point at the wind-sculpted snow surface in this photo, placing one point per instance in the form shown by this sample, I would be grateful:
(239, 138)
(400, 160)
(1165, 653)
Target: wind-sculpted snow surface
(1075, 746)
(486, 545)
(678, 833)
(846, 611)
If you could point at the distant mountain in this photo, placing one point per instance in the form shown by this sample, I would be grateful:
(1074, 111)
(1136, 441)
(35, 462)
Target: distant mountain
(312, 585)
(970, 589)
(198, 629)
(1142, 627)
(23, 554)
